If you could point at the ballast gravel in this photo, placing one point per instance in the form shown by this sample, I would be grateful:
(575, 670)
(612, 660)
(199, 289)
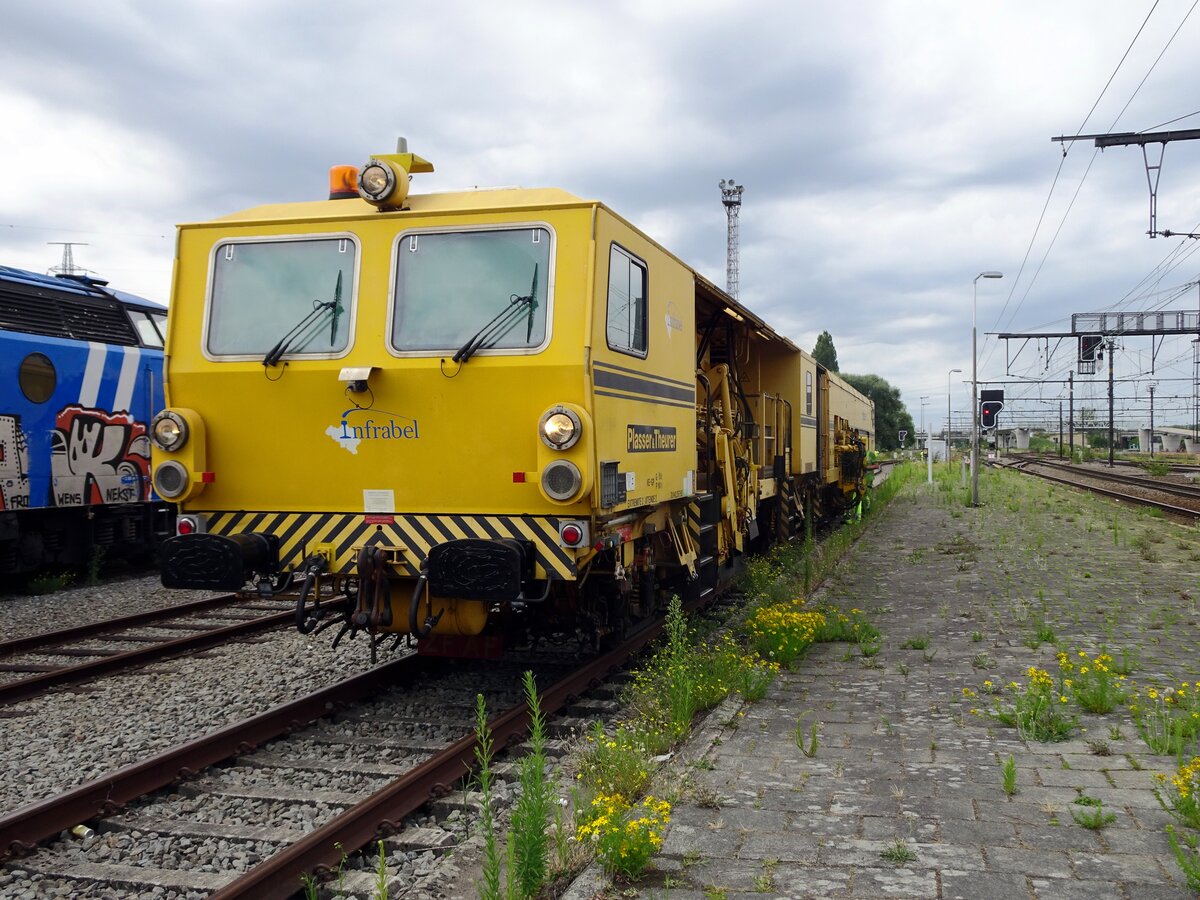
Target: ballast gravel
(69, 736)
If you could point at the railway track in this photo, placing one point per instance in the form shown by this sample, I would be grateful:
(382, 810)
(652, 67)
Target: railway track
(290, 790)
(1177, 500)
(1174, 468)
(43, 661)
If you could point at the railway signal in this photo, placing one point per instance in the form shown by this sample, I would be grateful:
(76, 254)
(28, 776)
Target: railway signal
(990, 404)
(988, 410)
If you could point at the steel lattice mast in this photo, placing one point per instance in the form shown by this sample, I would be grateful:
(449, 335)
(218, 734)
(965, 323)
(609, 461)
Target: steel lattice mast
(67, 267)
(731, 196)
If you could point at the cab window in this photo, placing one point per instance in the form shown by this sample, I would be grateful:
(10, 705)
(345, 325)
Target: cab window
(150, 327)
(486, 288)
(297, 291)
(626, 325)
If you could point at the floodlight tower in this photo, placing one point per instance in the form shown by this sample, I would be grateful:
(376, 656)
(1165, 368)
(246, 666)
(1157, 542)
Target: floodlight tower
(731, 196)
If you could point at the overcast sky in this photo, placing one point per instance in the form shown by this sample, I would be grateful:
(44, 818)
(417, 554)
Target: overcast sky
(889, 151)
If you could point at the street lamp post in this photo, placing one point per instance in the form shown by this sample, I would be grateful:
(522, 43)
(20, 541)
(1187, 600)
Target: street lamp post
(975, 386)
(928, 448)
(948, 395)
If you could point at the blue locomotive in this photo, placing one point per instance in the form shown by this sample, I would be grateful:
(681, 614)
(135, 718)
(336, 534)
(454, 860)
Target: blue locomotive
(80, 379)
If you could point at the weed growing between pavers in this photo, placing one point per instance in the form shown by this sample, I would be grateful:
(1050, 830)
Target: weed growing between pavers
(807, 746)
(1089, 812)
(898, 852)
(1186, 848)
(765, 883)
(1180, 795)
(1094, 684)
(1008, 776)
(783, 631)
(624, 837)
(1037, 709)
(1168, 719)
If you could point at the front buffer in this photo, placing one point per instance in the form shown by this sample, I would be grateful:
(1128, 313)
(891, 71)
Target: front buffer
(217, 562)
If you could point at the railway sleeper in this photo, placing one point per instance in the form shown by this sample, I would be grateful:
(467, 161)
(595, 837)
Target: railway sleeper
(176, 828)
(137, 877)
(200, 789)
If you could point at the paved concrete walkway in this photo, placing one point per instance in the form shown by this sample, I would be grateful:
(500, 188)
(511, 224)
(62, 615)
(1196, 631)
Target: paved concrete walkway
(902, 762)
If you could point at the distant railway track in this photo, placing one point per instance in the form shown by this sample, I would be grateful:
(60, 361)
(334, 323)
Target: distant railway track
(375, 729)
(1183, 502)
(1174, 468)
(96, 642)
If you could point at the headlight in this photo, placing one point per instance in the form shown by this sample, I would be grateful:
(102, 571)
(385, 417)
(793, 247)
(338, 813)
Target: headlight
(561, 480)
(169, 431)
(170, 480)
(560, 428)
(376, 180)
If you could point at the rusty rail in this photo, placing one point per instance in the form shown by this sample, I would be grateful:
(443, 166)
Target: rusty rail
(26, 827)
(50, 638)
(322, 849)
(1181, 511)
(24, 688)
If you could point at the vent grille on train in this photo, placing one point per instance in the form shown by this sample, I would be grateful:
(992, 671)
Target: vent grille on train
(38, 311)
(612, 485)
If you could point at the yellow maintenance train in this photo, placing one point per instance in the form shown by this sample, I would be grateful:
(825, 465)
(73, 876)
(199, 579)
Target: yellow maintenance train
(478, 418)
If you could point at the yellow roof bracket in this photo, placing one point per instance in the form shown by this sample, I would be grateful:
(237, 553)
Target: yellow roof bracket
(410, 162)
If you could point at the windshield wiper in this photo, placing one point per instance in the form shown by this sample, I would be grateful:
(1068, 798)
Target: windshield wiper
(503, 322)
(276, 353)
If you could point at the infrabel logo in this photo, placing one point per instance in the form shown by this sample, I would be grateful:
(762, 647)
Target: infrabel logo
(360, 424)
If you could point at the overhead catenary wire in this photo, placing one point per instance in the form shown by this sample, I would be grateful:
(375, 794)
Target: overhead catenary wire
(1147, 287)
(1058, 172)
(989, 350)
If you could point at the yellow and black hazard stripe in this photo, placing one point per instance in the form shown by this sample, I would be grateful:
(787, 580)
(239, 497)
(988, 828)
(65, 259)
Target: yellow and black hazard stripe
(693, 521)
(410, 536)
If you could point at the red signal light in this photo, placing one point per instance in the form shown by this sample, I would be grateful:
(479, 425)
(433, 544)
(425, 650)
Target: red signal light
(571, 535)
(185, 526)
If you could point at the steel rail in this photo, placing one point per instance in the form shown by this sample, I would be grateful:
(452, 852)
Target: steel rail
(321, 850)
(24, 688)
(23, 829)
(1151, 484)
(49, 638)
(1175, 468)
(1182, 511)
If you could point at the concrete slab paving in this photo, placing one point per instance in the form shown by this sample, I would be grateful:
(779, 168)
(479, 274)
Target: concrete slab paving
(903, 797)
